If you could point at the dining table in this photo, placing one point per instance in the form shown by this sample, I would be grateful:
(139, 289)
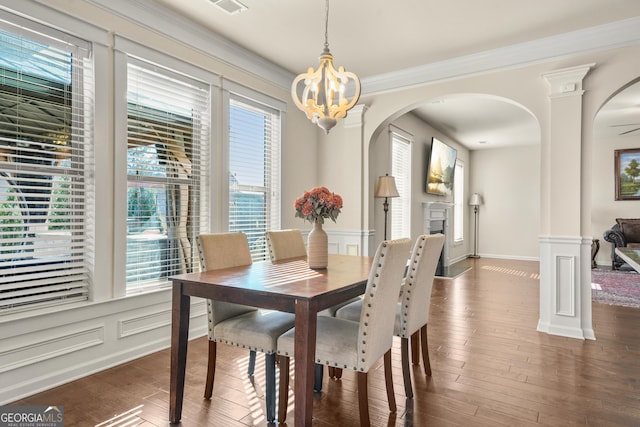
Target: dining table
(287, 285)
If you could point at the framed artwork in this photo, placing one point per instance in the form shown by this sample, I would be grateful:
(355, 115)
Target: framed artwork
(627, 170)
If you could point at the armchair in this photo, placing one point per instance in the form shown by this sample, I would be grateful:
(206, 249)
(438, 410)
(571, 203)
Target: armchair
(625, 233)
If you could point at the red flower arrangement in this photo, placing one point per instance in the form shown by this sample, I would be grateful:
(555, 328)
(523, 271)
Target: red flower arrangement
(317, 204)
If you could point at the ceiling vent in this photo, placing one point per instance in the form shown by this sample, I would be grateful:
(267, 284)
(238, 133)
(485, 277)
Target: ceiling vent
(230, 6)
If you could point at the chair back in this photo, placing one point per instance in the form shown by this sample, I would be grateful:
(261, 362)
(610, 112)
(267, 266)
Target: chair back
(218, 251)
(416, 294)
(377, 318)
(223, 250)
(284, 244)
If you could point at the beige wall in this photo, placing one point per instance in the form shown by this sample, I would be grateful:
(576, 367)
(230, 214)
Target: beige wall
(380, 164)
(509, 219)
(525, 86)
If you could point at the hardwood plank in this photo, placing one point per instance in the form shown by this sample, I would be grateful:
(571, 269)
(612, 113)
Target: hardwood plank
(490, 367)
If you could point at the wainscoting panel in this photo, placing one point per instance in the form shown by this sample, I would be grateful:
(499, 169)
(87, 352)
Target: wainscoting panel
(48, 344)
(565, 290)
(85, 340)
(140, 324)
(565, 286)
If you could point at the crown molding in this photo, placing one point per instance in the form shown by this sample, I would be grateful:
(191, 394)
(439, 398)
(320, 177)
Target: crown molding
(150, 15)
(608, 36)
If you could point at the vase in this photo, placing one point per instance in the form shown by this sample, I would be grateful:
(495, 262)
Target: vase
(317, 247)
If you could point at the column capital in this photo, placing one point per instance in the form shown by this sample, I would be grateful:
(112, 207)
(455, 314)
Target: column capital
(355, 116)
(567, 81)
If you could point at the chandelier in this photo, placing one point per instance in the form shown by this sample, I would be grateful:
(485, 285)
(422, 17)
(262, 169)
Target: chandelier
(323, 96)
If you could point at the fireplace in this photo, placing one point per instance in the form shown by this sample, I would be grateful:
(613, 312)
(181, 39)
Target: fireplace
(436, 220)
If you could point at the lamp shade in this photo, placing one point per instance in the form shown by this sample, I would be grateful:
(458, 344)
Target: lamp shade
(475, 200)
(386, 187)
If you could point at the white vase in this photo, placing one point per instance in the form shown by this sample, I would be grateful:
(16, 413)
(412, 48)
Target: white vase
(317, 247)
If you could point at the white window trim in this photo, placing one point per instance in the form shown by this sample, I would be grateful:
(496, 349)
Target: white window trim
(396, 132)
(125, 48)
(459, 204)
(50, 35)
(229, 90)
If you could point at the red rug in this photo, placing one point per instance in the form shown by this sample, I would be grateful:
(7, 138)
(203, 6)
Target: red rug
(616, 287)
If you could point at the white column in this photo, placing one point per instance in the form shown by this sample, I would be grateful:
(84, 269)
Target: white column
(565, 261)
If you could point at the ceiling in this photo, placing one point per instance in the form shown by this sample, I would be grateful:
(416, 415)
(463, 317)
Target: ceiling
(376, 37)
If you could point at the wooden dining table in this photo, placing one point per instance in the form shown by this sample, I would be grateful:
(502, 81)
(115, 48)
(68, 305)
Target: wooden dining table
(288, 285)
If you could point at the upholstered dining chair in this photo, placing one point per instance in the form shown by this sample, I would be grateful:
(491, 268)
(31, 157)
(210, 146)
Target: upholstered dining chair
(240, 325)
(285, 244)
(357, 345)
(412, 310)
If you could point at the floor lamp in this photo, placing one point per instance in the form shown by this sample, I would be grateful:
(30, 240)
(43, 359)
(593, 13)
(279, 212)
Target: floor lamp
(475, 201)
(386, 187)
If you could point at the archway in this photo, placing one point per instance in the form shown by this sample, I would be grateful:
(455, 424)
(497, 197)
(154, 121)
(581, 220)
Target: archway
(510, 132)
(616, 126)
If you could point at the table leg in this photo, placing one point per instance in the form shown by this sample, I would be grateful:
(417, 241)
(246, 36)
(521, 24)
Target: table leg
(181, 306)
(304, 353)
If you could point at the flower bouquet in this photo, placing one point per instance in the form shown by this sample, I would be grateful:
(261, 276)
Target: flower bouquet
(317, 204)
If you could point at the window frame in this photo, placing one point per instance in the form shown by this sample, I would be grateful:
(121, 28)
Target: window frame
(233, 92)
(127, 51)
(458, 202)
(400, 206)
(71, 281)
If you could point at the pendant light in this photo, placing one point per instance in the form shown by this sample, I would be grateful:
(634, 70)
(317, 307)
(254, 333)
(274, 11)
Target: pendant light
(323, 92)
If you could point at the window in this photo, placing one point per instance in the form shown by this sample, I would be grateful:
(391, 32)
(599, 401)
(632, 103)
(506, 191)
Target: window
(46, 168)
(168, 128)
(401, 170)
(458, 202)
(254, 171)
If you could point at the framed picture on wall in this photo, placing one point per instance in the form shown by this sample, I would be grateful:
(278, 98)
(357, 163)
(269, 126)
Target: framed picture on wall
(627, 170)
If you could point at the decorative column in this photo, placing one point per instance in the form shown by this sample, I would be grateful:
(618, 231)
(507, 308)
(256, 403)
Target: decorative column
(353, 125)
(565, 262)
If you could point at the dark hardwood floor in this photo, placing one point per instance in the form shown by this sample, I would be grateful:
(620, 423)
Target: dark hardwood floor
(490, 367)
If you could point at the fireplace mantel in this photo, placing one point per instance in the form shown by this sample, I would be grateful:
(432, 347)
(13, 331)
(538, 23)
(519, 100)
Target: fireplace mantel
(437, 217)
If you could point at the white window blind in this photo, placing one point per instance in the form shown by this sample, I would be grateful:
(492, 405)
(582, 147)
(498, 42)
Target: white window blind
(401, 170)
(46, 168)
(167, 139)
(254, 172)
(458, 201)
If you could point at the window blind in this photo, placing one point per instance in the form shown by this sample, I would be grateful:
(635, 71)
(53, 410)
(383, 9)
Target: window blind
(168, 133)
(401, 170)
(254, 172)
(46, 168)
(458, 200)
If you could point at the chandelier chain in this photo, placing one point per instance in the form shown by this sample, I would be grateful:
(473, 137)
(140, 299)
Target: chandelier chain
(326, 26)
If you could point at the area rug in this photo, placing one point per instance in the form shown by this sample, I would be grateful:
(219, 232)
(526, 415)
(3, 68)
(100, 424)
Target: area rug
(616, 287)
